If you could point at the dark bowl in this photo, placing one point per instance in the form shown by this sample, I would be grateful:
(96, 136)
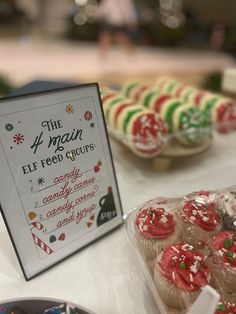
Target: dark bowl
(38, 305)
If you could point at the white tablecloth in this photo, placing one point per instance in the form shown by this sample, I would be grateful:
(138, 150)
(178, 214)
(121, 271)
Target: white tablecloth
(100, 277)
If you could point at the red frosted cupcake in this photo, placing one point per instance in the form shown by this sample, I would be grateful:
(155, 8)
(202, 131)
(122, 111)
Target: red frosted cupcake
(199, 218)
(223, 260)
(226, 308)
(179, 274)
(155, 230)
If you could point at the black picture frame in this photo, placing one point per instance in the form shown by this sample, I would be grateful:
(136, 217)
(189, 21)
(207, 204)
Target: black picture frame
(46, 88)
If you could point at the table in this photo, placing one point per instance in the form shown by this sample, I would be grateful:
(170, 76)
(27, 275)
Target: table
(100, 277)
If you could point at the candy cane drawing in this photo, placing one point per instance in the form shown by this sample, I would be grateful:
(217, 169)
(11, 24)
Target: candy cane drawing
(38, 241)
(36, 225)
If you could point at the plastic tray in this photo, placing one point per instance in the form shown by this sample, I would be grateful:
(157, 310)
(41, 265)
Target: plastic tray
(207, 300)
(156, 121)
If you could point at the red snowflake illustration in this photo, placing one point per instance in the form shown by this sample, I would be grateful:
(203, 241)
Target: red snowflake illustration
(18, 138)
(88, 115)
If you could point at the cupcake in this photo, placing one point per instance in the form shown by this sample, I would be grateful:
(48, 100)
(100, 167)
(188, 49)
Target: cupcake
(227, 209)
(226, 308)
(155, 229)
(179, 274)
(198, 218)
(223, 260)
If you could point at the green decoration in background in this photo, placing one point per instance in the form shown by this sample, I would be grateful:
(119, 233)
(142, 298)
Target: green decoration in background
(5, 86)
(212, 82)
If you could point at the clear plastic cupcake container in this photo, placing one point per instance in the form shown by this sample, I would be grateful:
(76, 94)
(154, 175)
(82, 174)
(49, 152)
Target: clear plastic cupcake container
(169, 118)
(192, 267)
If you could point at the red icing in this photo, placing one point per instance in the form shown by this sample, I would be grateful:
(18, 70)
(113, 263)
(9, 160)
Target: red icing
(147, 132)
(118, 112)
(184, 267)
(163, 83)
(198, 97)
(107, 96)
(200, 209)
(139, 92)
(225, 244)
(160, 101)
(226, 308)
(180, 90)
(226, 113)
(155, 223)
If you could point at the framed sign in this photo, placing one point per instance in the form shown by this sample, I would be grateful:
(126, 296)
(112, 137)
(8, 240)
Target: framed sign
(58, 186)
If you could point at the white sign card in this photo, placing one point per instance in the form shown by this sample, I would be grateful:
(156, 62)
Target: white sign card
(58, 187)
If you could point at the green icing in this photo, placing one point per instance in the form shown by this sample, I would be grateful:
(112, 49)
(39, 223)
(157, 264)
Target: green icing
(170, 112)
(111, 104)
(210, 104)
(172, 86)
(129, 88)
(191, 122)
(188, 93)
(129, 116)
(148, 98)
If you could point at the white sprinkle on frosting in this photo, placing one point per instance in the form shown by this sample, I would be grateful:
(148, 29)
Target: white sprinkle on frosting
(174, 248)
(191, 277)
(194, 267)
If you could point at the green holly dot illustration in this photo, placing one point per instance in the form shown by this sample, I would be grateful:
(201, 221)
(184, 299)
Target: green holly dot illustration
(52, 239)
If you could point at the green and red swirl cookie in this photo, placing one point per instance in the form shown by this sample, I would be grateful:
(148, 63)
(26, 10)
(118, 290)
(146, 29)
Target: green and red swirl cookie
(111, 106)
(167, 85)
(189, 125)
(134, 90)
(106, 97)
(207, 104)
(196, 97)
(186, 93)
(144, 130)
(167, 110)
(149, 98)
(224, 115)
(171, 88)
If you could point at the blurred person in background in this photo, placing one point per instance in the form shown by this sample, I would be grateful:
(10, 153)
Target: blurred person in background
(218, 32)
(118, 22)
